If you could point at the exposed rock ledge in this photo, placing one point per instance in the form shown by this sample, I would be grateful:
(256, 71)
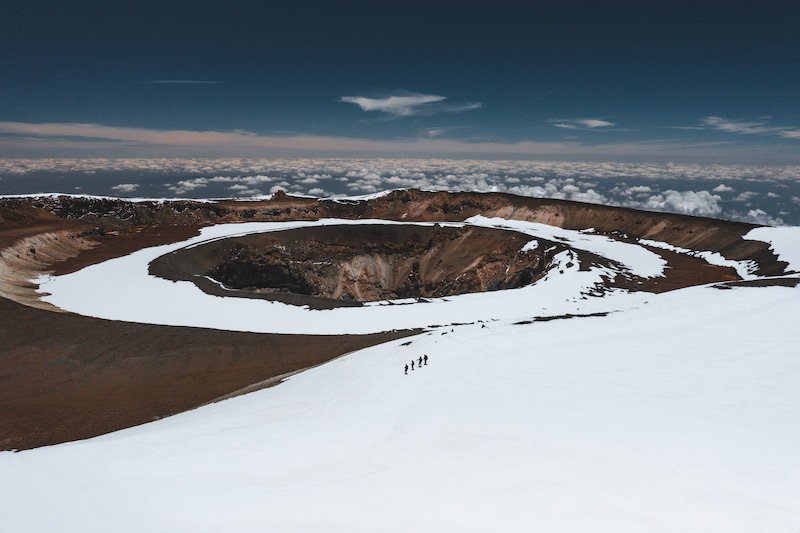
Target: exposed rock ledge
(32, 256)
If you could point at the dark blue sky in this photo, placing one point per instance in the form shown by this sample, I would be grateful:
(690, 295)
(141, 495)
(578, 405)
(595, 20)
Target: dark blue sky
(610, 80)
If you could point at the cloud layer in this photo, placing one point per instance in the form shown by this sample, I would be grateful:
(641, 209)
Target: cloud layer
(20, 139)
(763, 195)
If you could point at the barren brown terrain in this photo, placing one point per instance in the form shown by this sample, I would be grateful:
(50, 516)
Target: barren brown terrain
(65, 377)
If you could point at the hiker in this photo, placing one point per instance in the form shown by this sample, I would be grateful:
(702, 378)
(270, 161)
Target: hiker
(412, 364)
(406, 369)
(419, 361)
(426, 359)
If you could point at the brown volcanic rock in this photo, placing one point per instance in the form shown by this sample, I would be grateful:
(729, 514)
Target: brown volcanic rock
(365, 263)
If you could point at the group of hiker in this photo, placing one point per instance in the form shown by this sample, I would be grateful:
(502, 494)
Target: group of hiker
(423, 360)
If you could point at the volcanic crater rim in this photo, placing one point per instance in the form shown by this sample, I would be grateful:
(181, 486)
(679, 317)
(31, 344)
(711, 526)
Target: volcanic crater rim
(348, 265)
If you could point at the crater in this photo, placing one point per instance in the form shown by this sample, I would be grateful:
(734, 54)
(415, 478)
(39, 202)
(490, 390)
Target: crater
(348, 265)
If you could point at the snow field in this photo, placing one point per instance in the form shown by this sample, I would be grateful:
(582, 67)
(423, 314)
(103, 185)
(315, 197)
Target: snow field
(680, 415)
(675, 412)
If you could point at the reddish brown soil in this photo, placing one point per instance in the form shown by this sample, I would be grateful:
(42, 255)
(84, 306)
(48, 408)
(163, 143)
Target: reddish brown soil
(65, 377)
(683, 271)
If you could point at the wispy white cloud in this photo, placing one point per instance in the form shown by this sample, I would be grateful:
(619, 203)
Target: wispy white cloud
(183, 82)
(18, 139)
(77, 136)
(753, 127)
(434, 132)
(448, 131)
(458, 108)
(581, 123)
(401, 106)
(733, 126)
(411, 104)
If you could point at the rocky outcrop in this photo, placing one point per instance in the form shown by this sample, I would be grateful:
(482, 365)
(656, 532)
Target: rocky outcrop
(32, 256)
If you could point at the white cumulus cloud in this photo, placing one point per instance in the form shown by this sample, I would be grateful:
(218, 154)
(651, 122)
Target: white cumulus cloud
(698, 203)
(746, 196)
(759, 216)
(125, 187)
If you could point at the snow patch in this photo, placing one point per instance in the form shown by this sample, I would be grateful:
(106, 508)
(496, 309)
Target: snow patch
(745, 269)
(784, 241)
(641, 262)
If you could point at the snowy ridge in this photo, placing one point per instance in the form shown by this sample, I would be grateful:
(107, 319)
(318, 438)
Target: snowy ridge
(95, 291)
(642, 262)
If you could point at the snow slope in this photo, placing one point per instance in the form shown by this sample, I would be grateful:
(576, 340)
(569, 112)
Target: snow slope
(681, 415)
(675, 412)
